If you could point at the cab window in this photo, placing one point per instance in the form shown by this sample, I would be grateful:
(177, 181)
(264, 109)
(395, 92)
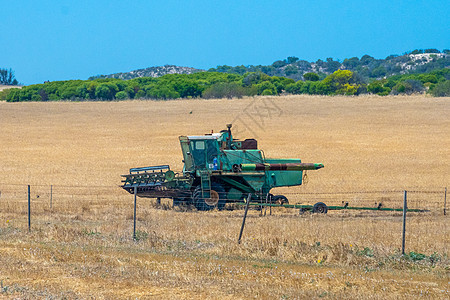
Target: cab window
(199, 145)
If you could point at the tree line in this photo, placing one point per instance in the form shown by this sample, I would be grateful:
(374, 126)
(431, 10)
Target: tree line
(225, 85)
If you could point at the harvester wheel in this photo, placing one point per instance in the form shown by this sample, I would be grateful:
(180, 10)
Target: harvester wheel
(217, 198)
(320, 208)
(177, 201)
(280, 199)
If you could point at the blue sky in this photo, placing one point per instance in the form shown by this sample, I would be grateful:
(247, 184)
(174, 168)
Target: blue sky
(60, 40)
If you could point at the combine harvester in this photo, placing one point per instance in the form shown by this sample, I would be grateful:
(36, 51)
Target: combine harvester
(219, 169)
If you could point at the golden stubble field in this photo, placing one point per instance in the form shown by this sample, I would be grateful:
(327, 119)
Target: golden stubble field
(82, 248)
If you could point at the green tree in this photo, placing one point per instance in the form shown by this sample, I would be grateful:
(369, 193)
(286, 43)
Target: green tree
(254, 78)
(366, 59)
(106, 91)
(351, 63)
(279, 64)
(240, 69)
(332, 65)
(140, 94)
(7, 77)
(337, 82)
(290, 70)
(291, 59)
(378, 72)
(82, 91)
(311, 76)
(295, 88)
(188, 88)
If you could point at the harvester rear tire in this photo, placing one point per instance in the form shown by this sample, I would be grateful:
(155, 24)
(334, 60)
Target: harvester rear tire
(280, 199)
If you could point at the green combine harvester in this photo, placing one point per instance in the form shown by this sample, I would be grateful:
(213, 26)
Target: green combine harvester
(218, 169)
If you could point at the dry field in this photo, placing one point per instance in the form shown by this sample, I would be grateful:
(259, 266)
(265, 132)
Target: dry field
(82, 246)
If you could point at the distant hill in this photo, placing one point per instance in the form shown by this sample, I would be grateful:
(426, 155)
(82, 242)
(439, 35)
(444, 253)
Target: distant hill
(368, 67)
(417, 61)
(150, 72)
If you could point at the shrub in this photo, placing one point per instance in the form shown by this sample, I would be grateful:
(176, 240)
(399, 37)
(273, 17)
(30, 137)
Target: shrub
(163, 92)
(224, 90)
(13, 95)
(140, 94)
(185, 88)
(408, 87)
(378, 88)
(415, 256)
(122, 95)
(69, 93)
(320, 88)
(266, 85)
(295, 88)
(424, 78)
(53, 97)
(254, 78)
(441, 89)
(36, 98)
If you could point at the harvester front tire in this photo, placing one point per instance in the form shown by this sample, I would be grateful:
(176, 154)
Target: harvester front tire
(202, 205)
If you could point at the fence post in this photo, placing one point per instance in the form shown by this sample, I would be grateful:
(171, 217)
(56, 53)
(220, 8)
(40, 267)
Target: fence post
(245, 216)
(134, 216)
(29, 209)
(445, 201)
(404, 221)
(265, 207)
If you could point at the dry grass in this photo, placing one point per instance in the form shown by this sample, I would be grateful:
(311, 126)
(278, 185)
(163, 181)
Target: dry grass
(81, 247)
(5, 87)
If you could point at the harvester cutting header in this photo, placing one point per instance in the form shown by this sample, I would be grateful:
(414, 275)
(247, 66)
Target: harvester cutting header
(218, 169)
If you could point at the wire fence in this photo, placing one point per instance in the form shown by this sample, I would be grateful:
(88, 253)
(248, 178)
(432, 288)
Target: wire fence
(14, 198)
(427, 229)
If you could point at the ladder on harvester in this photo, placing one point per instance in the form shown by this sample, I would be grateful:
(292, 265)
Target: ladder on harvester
(205, 184)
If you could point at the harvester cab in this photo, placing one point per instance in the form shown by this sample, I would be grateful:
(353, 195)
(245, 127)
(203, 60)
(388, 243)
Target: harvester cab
(218, 169)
